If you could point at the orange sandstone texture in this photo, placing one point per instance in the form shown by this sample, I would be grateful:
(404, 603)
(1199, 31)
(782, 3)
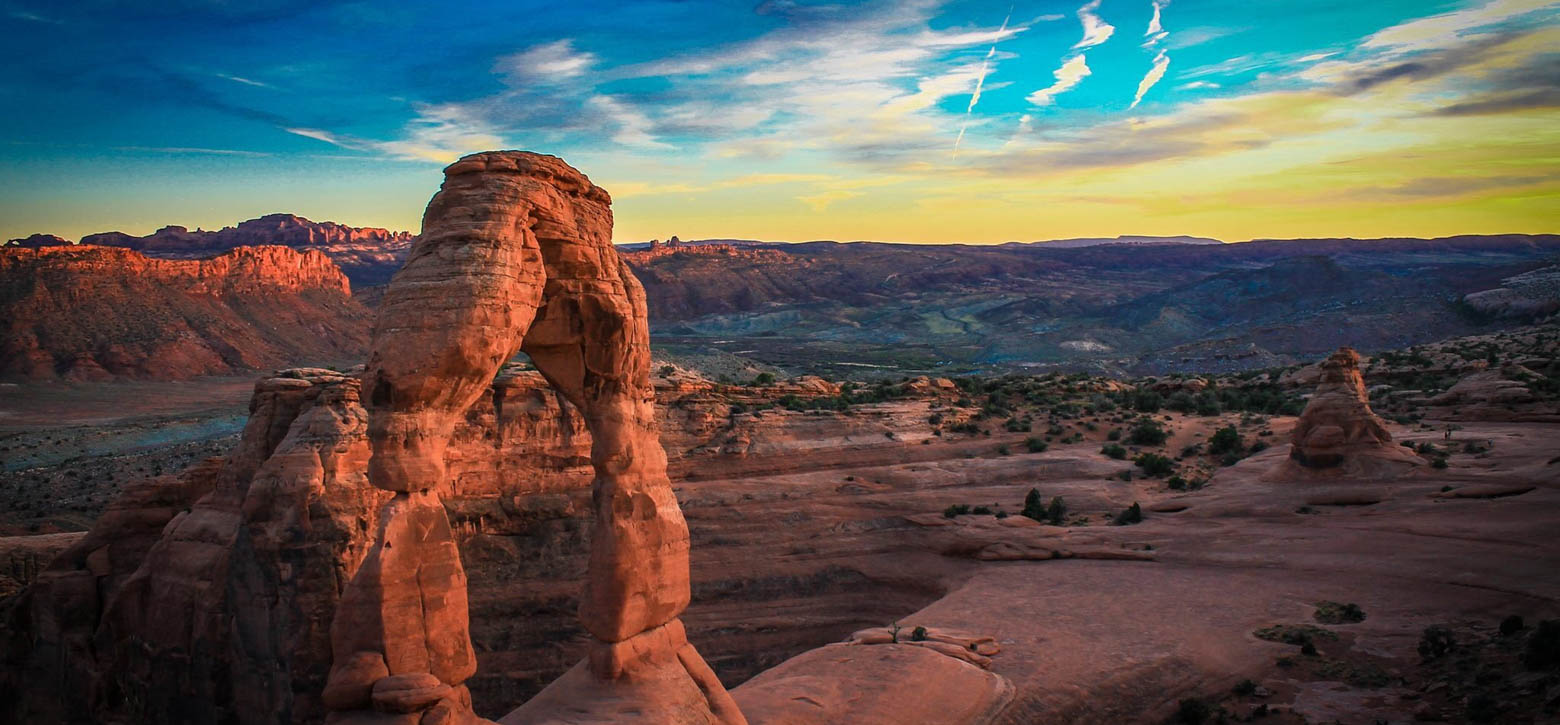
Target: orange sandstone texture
(516, 254)
(1338, 427)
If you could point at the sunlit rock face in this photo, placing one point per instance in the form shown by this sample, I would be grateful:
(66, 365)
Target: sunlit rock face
(516, 254)
(1338, 424)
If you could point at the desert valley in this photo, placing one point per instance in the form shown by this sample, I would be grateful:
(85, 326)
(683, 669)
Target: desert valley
(780, 362)
(1133, 531)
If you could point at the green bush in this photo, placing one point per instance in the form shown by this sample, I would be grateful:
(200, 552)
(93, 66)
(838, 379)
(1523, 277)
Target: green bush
(1155, 465)
(1225, 440)
(763, 379)
(1132, 515)
(1114, 435)
(1035, 445)
(1114, 451)
(1148, 433)
(1056, 513)
(1034, 505)
(1328, 612)
(1436, 642)
(957, 509)
(1176, 483)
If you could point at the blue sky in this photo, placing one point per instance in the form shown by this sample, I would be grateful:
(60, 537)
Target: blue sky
(906, 121)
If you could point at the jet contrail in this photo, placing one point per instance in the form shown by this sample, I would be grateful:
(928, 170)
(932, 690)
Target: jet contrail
(980, 80)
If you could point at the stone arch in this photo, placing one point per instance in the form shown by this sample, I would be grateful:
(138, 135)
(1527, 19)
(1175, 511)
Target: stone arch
(516, 254)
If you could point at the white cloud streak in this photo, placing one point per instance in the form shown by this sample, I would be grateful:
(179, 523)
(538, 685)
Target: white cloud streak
(1156, 33)
(1154, 26)
(1095, 30)
(1155, 73)
(1068, 77)
(980, 81)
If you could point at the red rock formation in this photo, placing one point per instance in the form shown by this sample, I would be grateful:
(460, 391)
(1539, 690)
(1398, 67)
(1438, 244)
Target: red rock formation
(516, 254)
(38, 240)
(88, 313)
(1338, 424)
(367, 254)
(207, 597)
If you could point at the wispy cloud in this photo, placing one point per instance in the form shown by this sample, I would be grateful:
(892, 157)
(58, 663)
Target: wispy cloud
(1435, 31)
(439, 132)
(548, 63)
(1156, 34)
(33, 17)
(1161, 64)
(633, 127)
(1154, 25)
(980, 80)
(1195, 85)
(244, 81)
(1095, 30)
(1072, 72)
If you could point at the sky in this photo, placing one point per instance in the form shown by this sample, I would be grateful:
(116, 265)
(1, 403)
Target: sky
(783, 120)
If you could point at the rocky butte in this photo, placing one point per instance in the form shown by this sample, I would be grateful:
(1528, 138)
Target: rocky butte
(1338, 428)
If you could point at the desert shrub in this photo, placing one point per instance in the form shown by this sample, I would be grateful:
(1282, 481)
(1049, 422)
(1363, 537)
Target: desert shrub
(934, 418)
(1155, 465)
(1192, 711)
(1229, 459)
(1003, 450)
(1132, 515)
(1056, 512)
(918, 634)
(1113, 435)
(1182, 402)
(1511, 625)
(1035, 445)
(1176, 483)
(763, 379)
(1191, 450)
(1114, 451)
(1436, 642)
(1439, 463)
(1146, 401)
(1543, 646)
(957, 509)
(1225, 440)
(1148, 433)
(1328, 612)
(1245, 688)
(1034, 505)
(1257, 447)
(981, 511)
(1296, 634)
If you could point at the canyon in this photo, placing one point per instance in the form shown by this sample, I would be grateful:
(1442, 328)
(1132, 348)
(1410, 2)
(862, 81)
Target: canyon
(449, 533)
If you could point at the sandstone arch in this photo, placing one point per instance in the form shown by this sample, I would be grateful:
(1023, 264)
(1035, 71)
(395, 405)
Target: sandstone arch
(516, 254)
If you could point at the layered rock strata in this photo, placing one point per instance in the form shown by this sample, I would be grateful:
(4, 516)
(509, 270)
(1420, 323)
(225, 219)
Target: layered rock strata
(516, 255)
(1338, 427)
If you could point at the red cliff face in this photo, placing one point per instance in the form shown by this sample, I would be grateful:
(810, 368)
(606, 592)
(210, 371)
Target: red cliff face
(368, 255)
(92, 312)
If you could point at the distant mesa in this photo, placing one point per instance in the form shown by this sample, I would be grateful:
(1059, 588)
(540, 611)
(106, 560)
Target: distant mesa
(1103, 241)
(91, 313)
(38, 241)
(1532, 294)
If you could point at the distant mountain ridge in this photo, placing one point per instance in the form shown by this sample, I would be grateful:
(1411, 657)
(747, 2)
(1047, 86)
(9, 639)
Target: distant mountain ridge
(368, 255)
(93, 312)
(1121, 304)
